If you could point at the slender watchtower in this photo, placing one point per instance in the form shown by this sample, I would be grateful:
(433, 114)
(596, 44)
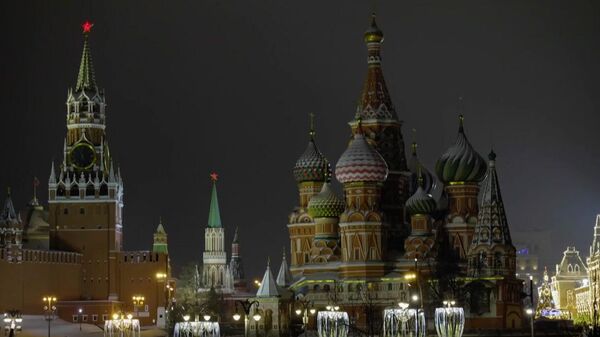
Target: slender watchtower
(85, 192)
(214, 257)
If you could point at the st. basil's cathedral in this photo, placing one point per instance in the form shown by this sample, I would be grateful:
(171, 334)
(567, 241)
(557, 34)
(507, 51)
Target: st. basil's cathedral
(387, 239)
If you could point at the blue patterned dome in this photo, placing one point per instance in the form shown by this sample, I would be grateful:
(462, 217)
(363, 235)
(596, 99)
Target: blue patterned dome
(326, 204)
(461, 163)
(312, 165)
(360, 162)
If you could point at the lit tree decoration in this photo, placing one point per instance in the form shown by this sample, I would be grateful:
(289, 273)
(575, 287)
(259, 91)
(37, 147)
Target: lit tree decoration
(449, 320)
(404, 322)
(332, 323)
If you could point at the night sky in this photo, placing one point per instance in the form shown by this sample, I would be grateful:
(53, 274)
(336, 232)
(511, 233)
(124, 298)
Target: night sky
(199, 86)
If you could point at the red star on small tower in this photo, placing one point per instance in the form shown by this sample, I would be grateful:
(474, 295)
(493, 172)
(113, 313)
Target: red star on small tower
(214, 176)
(87, 26)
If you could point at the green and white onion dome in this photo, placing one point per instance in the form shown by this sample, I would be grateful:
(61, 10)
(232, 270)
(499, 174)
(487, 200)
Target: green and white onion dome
(414, 165)
(312, 165)
(420, 202)
(461, 163)
(326, 204)
(360, 163)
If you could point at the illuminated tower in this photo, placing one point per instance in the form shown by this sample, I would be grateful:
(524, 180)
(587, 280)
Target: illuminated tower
(11, 231)
(85, 191)
(461, 169)
(382, 129)
(214, 257)
(160, 239)
(363, 171)
(311, 171)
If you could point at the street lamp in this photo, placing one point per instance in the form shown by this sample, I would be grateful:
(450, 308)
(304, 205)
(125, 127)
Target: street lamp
(529, 313)
(49, 310)
(137, 302)
(306, 307)
(206, 317)
(246, 306)
(12, 322)
(79, 312)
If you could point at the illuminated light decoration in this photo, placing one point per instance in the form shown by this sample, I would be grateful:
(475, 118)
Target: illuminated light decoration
(333, 323)
(214, 176)
(118, 327)
(196, 329)
(87, 27)
(449, 320)
(404, 322)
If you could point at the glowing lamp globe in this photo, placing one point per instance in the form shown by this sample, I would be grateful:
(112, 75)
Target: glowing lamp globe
(237, 317)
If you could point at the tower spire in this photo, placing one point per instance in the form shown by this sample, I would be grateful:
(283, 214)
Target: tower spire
(214, 214)
(86, 79)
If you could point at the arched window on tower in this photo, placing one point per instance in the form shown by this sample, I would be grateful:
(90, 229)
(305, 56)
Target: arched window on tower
(577, 268)
(74, 191)
(570, 268)
(61, 190)
(90, 191)
(103, 190)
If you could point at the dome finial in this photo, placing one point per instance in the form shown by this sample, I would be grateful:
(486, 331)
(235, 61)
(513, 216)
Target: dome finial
(414, 144)
(419, 176)
(373, 33)
(311, 131)
(461, 117)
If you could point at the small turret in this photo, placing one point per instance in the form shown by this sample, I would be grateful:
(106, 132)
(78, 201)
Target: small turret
(160, 244)
(268, 286)
(284, 277)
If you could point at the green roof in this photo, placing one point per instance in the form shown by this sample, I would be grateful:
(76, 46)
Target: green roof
(214, 215)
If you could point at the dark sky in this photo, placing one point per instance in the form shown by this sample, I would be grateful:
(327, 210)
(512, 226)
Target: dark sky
(197, 86)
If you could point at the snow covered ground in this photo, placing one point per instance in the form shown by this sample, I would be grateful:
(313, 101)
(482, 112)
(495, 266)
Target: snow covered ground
(36, 326)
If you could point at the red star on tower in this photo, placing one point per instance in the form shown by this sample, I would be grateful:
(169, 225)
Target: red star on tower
(87, 26)
(214, 176)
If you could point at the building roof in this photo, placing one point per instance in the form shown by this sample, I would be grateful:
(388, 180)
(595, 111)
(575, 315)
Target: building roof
(268, 287)
(8, 215)
(460, 163)
(360, 162)
(214, 214)
(312, 164)
(375, 101)
(284, 277)
(415, 165)
(421, 202)
(86, 79)
(326, 204)
(492, 225)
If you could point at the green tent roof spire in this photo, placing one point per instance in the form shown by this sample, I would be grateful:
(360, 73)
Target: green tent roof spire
(86, 79)
(214, 215)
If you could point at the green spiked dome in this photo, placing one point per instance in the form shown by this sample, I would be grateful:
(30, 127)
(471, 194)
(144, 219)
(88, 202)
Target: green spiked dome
(214, 214)
(420, 202)
(325, 204)
(461, 163)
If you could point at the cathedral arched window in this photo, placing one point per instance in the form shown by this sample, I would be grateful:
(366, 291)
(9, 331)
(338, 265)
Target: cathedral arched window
(103, 189)
(74, 191)
(61, 190)
(577, 268)
(497, 234)
(570, 268)
(90, 191)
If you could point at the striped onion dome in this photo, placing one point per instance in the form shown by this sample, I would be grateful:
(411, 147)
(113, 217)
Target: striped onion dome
(360, 162)
(420, 202)
(312, 165)
(461, 163)
(326, 204)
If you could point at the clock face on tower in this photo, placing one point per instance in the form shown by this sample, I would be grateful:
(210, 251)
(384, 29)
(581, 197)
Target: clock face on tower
(83, 156)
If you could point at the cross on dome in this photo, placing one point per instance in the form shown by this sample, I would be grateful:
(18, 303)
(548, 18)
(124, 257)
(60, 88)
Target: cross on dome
(87, 26)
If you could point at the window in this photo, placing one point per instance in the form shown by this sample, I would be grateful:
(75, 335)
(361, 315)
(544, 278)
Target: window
(577, 268)
(570, 268)
(104, 317)
(75, 318)
(82, 210)
(66, 211)
(94, 318)
(84, 318)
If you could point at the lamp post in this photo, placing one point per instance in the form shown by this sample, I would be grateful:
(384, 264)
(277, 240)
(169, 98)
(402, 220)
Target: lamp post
(306, 307)
(79, 312)
(246, 306)
(12, 322)
(49, 310)
(137, 301)
(531, 311)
